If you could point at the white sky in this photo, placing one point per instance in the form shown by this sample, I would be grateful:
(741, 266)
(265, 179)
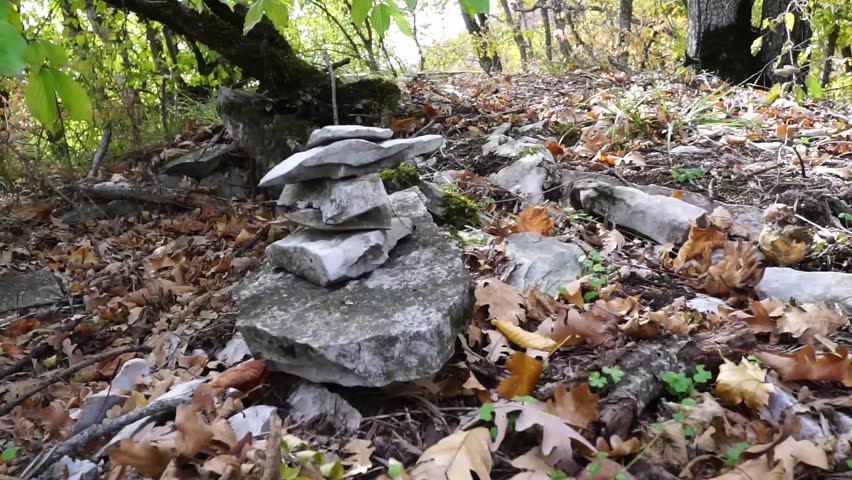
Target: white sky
(435, 25)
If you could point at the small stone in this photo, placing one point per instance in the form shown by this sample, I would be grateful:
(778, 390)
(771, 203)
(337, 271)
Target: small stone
(126, 377)
(689, 150)
(95, 408)
(235, 351)
(416, 146)
(201, 162)
(20, 291)
(398, 324)
(310, 401)
(69, 468)
(337, 200)
(662, 219)
(542, 262)
(375, 219)
(253, 420)
(446, 177)
(333, 133)
(328, 257)
(705, 303)
(807, 287)
(524, 178)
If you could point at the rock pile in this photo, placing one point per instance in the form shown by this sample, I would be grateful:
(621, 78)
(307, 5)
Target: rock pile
(334, 189)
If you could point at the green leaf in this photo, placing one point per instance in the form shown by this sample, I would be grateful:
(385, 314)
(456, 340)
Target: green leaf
(401, 22)
(380, 18)
(812, 82)
(473, 7)
(12, 47)
(558, 475)
(615, 373)
(688, 431)
(486, 412)
(524, 399)
(360, 10)
(789, 21)
(594, 468)
(849, 464)
(56, 54)
(73, 97)
(701, 375)
(601, 455)
(9, 454)
(278, 12)
(732, 456)
(394, 470)
(41, 99)
(756, 45)
(411, 4)
(597, 380)
(689, 402)
(254, 15)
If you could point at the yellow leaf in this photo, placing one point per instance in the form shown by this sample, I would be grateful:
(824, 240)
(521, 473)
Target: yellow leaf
(743, 383)
(456, 457)
(524, 338)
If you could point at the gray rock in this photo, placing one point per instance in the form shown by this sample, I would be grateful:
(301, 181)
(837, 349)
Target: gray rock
(126, 377)
(807, 287)
(375, 219)
(235, 351)
(662, 219)
(227, 184)
(689, 150)
(446, 177)
(254, 421)
(95, 408)
(495, 140)
(749, 217)
(705, 303)
(19, 291)
(253, 121)
(327, 257)
(434, 198)
(397, 324)
(68, 468)
(310, 401)
(542, 261)
(201, 162)
(333, 133)
(337, 200)
(349, 158)
(524, 178)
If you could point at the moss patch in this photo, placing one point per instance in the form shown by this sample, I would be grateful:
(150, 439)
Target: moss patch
(399, 178)
(459, 211)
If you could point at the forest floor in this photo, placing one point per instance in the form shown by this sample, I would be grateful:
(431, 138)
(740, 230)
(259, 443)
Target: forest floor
(622, 375)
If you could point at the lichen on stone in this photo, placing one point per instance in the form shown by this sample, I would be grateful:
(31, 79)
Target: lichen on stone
(399, 178)
(459, 211)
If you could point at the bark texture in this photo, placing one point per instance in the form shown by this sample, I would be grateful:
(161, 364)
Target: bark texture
(719, 38)
(773, 53)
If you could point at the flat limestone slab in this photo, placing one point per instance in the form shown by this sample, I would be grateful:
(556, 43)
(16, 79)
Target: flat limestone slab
(376, 219)
(27, 290)
(397, 324)
(337, 200)
(807, 287)
(542, 262)
(333, 133)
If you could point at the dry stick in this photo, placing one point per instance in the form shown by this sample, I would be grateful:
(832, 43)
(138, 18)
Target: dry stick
(57, 376)
(271, 467)
(333, 86)
(38, 351)
(100, 153)
(107, 429)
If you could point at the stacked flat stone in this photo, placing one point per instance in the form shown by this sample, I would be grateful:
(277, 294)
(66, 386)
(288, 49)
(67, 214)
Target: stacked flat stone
(334, 190)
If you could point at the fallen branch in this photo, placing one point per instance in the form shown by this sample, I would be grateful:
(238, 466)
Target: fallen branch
(100, 153)
(62, 374)
(105, 430)
(272, 464)
(646, 362)
(39, 351)
(145, 193)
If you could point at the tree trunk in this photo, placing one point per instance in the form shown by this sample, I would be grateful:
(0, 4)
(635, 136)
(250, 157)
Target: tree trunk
(561, 33)
(548, 35)
(516, 33)
(781, 48)
(625, 18)
(477, 27)
(719, 37)
(298, 87)
(827, 65)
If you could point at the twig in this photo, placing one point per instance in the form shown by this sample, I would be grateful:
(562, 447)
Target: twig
(39, 350)
(333, 87)
(106, 430)
(57, 376)
(271, 467)
(100, 153)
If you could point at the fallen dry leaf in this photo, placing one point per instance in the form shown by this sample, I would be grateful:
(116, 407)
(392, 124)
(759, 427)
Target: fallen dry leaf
(534, 464)
(612, 241)
(556, 435)
(502, 300)
(807, 321)
(578, 406)
(243, 377)
(359, 451)
(193, 433)
(456, 457)
(804, 364)
(534, 219)
(616, 447)
(523, 338)
(525, 372)
(149, 459)
(743, 383)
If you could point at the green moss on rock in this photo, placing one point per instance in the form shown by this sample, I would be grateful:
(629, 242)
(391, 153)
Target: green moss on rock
(459, 211)
(399, 178)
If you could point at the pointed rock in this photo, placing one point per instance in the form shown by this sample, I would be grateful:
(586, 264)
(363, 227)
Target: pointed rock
(337, 200)
(333, 133)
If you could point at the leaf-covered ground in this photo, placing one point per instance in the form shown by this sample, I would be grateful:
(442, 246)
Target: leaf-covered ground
(621, 375)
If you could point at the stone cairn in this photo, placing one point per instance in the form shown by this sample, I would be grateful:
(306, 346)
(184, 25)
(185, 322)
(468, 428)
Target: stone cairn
(334, 190)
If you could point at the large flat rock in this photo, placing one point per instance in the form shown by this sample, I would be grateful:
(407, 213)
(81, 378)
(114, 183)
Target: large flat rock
(333, 133)
(397, 324)
(542, 262)
(27, 290)
(199, 163)
(807, 287)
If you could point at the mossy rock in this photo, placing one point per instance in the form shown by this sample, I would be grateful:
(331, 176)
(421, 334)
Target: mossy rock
(399, 178)
(459, 211)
